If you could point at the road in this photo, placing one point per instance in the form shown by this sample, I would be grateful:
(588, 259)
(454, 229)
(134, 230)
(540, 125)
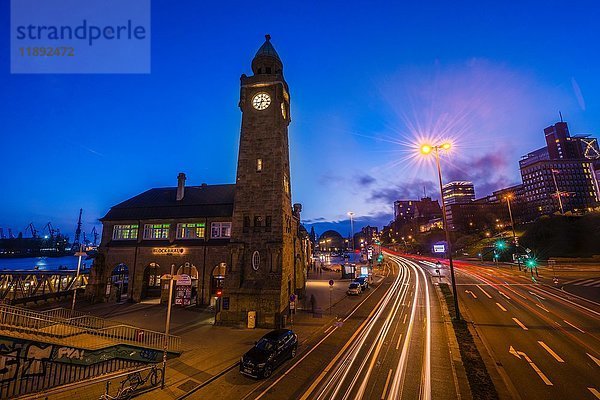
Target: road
(545, 342)
(393, 345)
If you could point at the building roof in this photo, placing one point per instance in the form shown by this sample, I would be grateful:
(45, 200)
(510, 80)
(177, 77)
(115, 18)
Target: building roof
(267, 49)
(161, 203)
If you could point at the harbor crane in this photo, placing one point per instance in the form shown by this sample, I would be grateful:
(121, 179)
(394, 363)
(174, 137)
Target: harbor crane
(50, 229)
(31, 228)
(95, 236)
(76, 241)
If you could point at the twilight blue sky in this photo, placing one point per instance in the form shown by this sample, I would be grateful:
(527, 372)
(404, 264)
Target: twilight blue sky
(367, 79)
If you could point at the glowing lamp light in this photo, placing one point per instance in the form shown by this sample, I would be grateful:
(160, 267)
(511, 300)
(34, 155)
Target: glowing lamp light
(426, 149)
(446, 146)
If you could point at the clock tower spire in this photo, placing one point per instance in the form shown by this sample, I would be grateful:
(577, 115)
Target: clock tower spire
(262, 274)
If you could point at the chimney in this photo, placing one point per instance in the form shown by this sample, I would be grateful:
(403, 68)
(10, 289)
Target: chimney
(180, 186)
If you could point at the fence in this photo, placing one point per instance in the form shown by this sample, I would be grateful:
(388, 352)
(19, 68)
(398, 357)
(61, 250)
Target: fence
(38, 323)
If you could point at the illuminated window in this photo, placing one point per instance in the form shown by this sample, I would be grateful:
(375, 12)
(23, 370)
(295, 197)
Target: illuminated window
(259, 164)
(219, 230)
(156, 231)
(191, 230)
(125, 232)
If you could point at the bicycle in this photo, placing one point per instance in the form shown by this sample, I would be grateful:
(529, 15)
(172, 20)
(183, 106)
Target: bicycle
(133, 382)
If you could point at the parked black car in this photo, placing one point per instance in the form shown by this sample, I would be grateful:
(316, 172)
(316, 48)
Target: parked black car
(363, 282)
(268, 353)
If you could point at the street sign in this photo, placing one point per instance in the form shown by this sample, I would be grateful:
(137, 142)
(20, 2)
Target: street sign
(183, 280)
(292, 298)
(331, 282)
(166, 276)
(528, 250)
(439, 248)
(292, 305)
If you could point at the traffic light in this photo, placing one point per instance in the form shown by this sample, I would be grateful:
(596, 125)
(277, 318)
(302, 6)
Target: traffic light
(380, 258)
(501, 245)
(531, 263)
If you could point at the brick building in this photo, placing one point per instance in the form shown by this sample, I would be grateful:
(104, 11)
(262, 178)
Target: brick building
(241, 244)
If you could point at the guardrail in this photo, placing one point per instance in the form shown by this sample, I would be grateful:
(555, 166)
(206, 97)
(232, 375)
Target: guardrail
(20, 319)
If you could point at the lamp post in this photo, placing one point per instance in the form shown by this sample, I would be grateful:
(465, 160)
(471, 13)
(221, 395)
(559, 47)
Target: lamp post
(512, 224)
(167, 327)
(80, 254)
(427, 149)
(351, 214)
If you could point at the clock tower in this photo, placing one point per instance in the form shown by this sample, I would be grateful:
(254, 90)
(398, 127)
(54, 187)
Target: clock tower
(262, 272)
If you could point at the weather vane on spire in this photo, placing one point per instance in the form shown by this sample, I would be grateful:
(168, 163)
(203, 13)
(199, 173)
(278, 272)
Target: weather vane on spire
(268, 37)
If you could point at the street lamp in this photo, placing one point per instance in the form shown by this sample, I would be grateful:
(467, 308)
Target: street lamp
(512, 224)
(351, 214)
(426, 149)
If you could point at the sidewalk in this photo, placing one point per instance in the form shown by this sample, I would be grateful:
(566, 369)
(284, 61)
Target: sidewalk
(209, 349)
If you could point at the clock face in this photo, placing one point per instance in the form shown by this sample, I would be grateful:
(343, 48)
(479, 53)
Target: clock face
(283, 112)
(261, 101)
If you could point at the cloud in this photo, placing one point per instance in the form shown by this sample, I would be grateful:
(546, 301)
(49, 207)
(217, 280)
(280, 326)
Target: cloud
(366, 180)
(488, 172)
(412, 190)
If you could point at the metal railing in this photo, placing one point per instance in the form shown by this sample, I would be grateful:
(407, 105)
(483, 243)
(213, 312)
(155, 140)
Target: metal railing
(37, 323)
(79, 318)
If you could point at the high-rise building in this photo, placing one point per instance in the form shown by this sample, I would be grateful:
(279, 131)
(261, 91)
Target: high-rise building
(561, 177)
(458, 192)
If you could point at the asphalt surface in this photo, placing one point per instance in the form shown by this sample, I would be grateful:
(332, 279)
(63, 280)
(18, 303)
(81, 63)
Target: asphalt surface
(544, 341)
(392, 345)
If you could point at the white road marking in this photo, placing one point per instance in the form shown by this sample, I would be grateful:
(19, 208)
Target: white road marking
(328, 329)
(520, 324)
(501, 307)
(595, 392)
(387, 382)
(518, 354)
(552, 353)
(579, 329)
(542, 307)
(472, 294)
(537, 295)
(405, 315)
(399, 340)
(484, 292)
(594, 359)
(502, 293)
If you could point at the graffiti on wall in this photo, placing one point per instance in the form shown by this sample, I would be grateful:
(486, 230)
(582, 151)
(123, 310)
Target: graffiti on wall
(23, 359)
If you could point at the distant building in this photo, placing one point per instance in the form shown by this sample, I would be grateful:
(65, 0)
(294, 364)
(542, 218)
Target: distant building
(458, 192)
(564, 173)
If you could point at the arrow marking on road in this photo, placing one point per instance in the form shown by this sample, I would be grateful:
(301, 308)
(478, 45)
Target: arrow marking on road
(537, 295)
(520, 324)
(595, 392)
(518, 354)
(552, 353)
(594, 359)
(501, 307)
(579, 329)
(484, 292)
(502, 293)
(472, 294)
